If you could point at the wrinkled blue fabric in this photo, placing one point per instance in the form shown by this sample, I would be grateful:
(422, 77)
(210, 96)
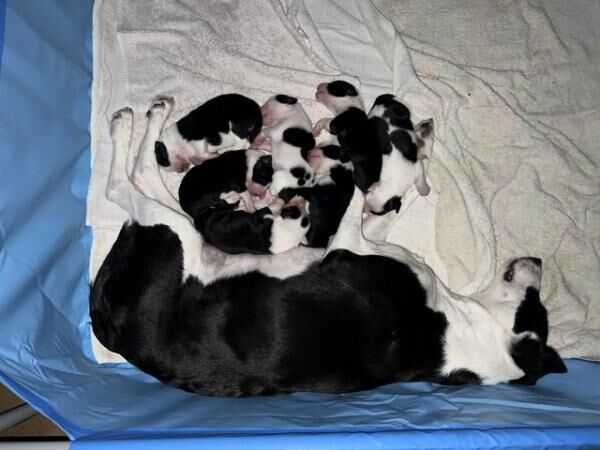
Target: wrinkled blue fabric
(45, 355)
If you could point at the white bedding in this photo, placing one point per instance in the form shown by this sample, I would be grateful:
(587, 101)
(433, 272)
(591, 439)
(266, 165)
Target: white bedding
(513, 89)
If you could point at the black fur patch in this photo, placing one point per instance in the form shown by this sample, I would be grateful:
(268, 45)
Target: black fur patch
(403, 142)
(301, 174)
(380, 129)
(262, 172)
(341, 88)
(291, 212)
(216, 115)
(305, 222)
(202, 186)
(335, 152)
(536, 359)
(532, 315)
(357, 137)
(384, 99)
(236, 232)
(328, 203)
(392, 204)
(286, 99)
(397, 112)
(162, 156)
(461, 376)
(299, 138)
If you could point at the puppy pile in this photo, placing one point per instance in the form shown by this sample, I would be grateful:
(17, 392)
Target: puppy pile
(255, 312)
(260, 184)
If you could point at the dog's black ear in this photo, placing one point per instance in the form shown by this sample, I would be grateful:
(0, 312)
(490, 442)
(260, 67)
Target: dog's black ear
(551, 362)
(536, 359)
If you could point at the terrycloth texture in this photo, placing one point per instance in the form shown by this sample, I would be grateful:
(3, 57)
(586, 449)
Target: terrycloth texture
(510, 181)
(516, 143)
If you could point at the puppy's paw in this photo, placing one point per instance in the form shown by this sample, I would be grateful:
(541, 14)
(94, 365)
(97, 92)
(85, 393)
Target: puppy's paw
(161, 104)
(424, 128)
(321, 125)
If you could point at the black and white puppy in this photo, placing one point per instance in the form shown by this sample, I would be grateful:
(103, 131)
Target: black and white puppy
(219, 196)
(384, 174)
(355, 321)
(223, 182)
(226, 122)
(403, 149)
(329, 197)
(274, 229)
(287, 133)
(351, 128)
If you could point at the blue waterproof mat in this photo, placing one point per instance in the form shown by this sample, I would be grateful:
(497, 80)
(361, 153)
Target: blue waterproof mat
(45, 356)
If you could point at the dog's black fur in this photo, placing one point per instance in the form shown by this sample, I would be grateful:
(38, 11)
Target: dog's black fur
(227, 114)
(236, 232)
(327, 201)
(216, 115)
(348, 323)
(202, 185)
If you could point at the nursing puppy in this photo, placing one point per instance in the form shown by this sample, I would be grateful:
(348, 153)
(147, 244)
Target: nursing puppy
(329, 197)
(219, 196)
(274, 229)
(352, 130)
(287, 133)
(383, 174)
(226, 122)
(223, 182)
(403, 149)
(349, 323)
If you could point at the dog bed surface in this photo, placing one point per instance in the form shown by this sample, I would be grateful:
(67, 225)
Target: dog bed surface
(45, 351)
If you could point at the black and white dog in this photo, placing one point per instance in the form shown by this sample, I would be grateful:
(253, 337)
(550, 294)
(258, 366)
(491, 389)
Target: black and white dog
(287, 133)
(402, 147)
(386, 149)
(366, 315)
(226, 122)
(329, 197)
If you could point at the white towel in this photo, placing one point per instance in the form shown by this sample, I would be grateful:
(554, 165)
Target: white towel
(501, 186)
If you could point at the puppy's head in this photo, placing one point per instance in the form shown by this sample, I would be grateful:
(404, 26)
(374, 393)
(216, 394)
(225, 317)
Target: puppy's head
(279, 108)
(262, 176)
(514, 298)
(392, 109)
(337, 96)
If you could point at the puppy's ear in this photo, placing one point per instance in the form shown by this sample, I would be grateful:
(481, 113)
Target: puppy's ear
(536, 359)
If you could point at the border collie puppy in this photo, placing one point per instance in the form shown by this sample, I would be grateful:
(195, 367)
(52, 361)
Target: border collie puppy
(273, 229)
(329, 197)
(351, 128)
(289, 132)
(355, 321)
(402, 146)
(222, 182)
(226, 122)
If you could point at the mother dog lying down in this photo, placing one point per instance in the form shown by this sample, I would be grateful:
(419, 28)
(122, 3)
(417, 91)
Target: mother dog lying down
(353, 321)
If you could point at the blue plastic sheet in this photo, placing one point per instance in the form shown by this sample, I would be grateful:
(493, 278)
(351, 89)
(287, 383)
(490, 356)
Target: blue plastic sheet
(45, 354)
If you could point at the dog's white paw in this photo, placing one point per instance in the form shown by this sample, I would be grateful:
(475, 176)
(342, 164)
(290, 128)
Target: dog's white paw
(161, 103)
(121, 122)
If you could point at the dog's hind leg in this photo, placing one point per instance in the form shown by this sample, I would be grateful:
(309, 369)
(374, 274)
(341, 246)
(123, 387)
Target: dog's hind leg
(146, 175)
(142, 209)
